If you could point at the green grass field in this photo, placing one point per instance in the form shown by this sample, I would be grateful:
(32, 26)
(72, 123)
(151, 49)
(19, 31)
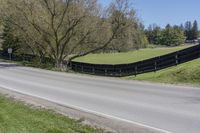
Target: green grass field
(187, 73)
(15, 117)
(128, 57)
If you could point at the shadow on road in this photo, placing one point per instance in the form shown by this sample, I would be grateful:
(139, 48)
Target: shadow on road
(7, 65)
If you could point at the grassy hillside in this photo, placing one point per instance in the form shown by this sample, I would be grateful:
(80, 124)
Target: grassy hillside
(187, 73)
(128, 57)
(18, 118)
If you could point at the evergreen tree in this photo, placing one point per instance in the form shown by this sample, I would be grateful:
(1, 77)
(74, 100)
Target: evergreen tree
(188, 30)
(153, 34)
(157, 34)
(149, 34)
(194, 31)
(182, 27)
(9, 41)
(168, 26)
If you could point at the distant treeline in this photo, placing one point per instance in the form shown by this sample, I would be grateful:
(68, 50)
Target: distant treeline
(172, 35)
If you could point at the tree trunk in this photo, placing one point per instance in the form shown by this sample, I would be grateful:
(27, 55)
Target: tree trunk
(60, 65)
(67, 65)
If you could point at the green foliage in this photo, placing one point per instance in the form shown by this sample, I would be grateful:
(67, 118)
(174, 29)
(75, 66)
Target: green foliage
(188, 30)
(140, 40)
(18, 118)
(153, 34)
(9, 40)
(195, 32)
(191, 30)
(172, 37)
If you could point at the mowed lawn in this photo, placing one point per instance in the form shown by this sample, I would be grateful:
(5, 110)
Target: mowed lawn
(127, 57)
(187, 73)
(15, 117)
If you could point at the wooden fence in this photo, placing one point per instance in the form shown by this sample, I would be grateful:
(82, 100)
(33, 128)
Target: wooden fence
(149, 65)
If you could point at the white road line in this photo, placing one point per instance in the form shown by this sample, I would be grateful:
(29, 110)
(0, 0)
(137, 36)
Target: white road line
(89, 111)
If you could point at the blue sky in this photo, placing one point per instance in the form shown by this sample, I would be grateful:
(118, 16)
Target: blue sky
(163, 12)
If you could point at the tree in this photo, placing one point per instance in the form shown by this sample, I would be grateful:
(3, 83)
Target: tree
(9, 40)
(153, 34)
(194, 31)
(149, 34)
(172, 36)
(140, 37)
(129, 38)
(182, 27)
(65, 30)
(188, 30)
(168, 26)
(191, 30)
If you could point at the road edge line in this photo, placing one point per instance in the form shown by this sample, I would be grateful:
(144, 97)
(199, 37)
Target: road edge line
(87, 110)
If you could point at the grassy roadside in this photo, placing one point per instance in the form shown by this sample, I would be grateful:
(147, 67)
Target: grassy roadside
(15, 117)
(187, 73)
(127, 57)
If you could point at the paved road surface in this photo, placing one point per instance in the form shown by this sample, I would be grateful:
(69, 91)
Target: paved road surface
(170, 108)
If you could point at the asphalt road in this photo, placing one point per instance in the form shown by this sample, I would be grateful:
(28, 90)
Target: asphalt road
(170, 108)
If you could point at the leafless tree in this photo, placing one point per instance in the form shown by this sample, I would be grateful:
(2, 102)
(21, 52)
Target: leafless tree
(67, 29)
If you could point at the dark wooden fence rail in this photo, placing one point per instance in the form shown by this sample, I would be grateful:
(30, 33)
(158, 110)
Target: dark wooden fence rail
(149, 65)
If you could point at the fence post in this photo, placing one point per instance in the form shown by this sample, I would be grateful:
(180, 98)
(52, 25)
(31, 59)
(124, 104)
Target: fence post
(176, 57)
(199, 49)
(135, 70)
(73, 68)
(93, 70)
(120, 72)
(199, 53)
(105, 72)
(155, 65)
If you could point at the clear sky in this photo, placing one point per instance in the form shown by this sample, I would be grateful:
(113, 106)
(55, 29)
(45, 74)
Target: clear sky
(163, 12)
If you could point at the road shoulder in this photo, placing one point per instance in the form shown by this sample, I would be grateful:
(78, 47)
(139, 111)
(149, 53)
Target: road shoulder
(109, 124)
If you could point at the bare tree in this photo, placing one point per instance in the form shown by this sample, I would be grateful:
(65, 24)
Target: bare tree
(67, 29)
